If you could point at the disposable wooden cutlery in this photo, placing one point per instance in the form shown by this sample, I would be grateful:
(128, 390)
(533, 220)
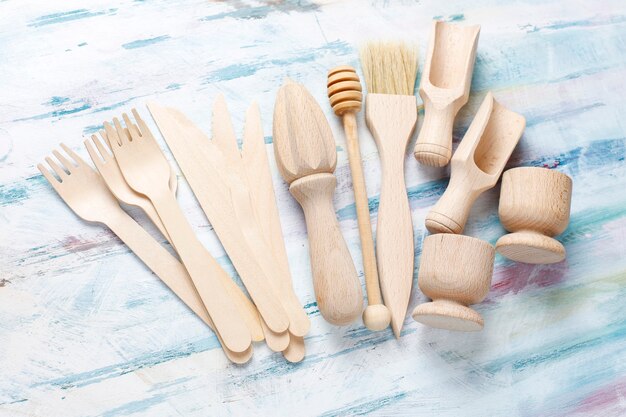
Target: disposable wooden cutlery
(147, 171)
(391, 113)
(306, 157)
(444, 88)
(213, 170)
(344, 93)
(84, 191)
(476, 164)
(109, 170)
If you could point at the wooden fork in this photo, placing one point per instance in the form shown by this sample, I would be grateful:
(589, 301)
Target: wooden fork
(106, 164)
(85, 192)
(146, 170)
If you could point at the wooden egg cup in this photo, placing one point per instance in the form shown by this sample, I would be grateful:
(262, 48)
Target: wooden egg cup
(535, 206)
(444, 88)
(455, 271)
(476, 164)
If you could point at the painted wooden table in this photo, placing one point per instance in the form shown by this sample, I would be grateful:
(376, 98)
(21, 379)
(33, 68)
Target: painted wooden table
(87, 330)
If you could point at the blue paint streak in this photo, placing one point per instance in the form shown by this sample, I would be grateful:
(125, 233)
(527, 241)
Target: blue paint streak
(90, 130)
(173, 86)
(235, 71)
(56, 113)
(451, 18)
(62, 17)
(97, 375)
(140, 43)
(262, 12)
(57, 101)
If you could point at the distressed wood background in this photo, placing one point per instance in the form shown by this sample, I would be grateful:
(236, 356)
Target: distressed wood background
(87, 330)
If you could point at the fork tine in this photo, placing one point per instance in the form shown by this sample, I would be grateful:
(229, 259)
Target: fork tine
(51, 178)
(97, 160)
(143, 127)
(79, 161)
(104, 150)
(111, 135)
(130, 127)
(56, 168)
(67, 164)
(120, 131)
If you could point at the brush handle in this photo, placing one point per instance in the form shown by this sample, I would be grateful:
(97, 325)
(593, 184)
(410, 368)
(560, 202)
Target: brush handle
(337, 288)
(392, 119)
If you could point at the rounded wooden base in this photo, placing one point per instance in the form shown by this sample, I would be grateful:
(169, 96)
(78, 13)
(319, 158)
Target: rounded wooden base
(376, 317)
(439, 223)
(432, 155)
(530, 248)
(448, 315)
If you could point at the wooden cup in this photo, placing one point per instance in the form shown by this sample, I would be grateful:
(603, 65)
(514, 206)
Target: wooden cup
(455, 271)
(535, 206)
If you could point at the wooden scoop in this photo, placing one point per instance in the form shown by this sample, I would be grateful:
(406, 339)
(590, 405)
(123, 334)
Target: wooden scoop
(444, 88)
(476, 164)
(306, 158)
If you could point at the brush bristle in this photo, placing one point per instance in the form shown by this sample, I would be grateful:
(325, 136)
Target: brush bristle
(389, 67)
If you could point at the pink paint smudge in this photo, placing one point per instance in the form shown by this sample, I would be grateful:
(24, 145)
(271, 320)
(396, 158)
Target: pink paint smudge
(517, 276)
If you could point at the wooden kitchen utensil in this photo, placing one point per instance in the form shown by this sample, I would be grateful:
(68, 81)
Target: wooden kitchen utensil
(455, 271)
(259, 176)
(109, 170)
(444, 88)
(344, 93)
(476, 164)
(147, 171)
(535, 206)
(306, 158)
(208, 172)
(84, 191)
(391, 113)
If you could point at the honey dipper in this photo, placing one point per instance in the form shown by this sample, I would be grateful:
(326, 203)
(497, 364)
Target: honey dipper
(306, 158)
(344, 93)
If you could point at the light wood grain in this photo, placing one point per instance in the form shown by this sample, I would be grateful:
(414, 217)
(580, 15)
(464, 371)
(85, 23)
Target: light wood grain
(391, 119)
(259, 176)
(208, 172)
(306, 157)
(344, 93)
(455, 271)
(535, 206)
(147, 171)
(444, 88)
(85, 192)
(476, 164)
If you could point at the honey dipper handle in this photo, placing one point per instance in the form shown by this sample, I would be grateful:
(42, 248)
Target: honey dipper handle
(362, 209)
(337, 287)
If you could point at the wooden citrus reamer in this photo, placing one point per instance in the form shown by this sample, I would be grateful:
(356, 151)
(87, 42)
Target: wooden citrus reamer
(444, 88)
(391, 114)
(344, 92)
(476, 164)
(306, 158)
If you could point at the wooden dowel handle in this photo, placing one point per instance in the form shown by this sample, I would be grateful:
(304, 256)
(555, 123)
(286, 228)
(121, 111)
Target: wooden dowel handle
(434, 143)
(337, 287)
(450, 213)
(362, 209)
